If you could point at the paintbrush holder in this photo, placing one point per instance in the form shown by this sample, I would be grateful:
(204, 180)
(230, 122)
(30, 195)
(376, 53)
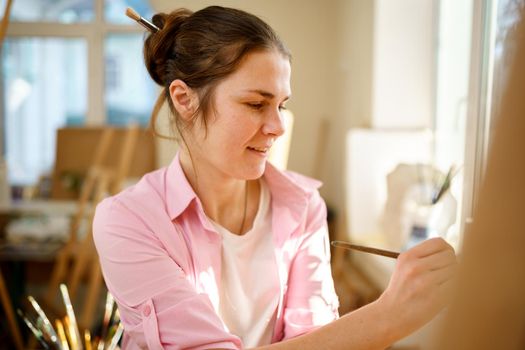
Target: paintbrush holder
(65, 333)
(424, 220)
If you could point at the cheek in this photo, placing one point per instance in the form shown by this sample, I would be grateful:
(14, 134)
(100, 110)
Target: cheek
(224, 140)
(232, 128)
(239, 129)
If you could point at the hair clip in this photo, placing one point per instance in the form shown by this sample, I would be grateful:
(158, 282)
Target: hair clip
(141, 20)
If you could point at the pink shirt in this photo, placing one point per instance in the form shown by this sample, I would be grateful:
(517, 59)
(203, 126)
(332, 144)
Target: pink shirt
(161, 260)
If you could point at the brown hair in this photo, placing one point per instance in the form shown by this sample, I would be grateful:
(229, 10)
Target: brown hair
(201, 49)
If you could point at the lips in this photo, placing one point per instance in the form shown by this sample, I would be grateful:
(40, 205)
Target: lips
(259, 149)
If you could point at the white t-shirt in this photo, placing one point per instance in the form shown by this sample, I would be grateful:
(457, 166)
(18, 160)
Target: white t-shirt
(249, 278)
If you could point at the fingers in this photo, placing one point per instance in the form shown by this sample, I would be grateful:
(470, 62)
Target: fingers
(434, 287)
(429, 247)
(443, 275)
(428, 265)
(419, 277)
(422, 282)
(439, 260)
(438, 267)
(433, 254)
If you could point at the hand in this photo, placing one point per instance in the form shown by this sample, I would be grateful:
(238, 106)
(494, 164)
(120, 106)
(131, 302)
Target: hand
(420, 285)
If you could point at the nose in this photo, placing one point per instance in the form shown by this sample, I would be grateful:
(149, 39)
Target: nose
(274, 123)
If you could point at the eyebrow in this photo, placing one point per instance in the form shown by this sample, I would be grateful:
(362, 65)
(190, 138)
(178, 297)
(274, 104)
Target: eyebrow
(266, 94)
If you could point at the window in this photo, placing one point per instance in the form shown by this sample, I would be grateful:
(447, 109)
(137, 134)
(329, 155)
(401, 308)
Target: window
(40, 96)
(492, 46)
(129, 93)
(69, 62)
(453, 57)
(52, 11)
(472, 39)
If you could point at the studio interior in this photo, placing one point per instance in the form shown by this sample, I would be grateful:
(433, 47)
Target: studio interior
(410, 113)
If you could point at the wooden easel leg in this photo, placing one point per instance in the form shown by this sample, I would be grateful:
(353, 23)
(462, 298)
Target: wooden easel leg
(58, 275)
(93, 293)
(80, 263)
(11, 319)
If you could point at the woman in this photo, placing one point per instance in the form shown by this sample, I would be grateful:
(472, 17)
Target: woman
(220, 250)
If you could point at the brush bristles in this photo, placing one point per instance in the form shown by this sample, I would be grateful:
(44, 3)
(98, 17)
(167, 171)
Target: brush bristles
(132, 14)
(142, 21)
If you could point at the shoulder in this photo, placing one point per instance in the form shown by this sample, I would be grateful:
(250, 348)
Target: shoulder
(151, 186)
(137, 222)
(298, 193)
(142, 201)
(290, 182)
(310, 187)
(307, 184)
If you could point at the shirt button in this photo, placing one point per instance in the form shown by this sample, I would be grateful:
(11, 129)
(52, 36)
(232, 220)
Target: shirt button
(147, 311)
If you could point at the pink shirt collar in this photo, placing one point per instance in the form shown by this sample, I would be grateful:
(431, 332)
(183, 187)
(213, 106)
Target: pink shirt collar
(287, 190)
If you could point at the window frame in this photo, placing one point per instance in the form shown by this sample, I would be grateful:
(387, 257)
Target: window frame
(94, 33)
(480, 91)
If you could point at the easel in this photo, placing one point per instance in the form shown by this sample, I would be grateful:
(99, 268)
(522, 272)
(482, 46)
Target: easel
(81, 255)
(11, 319)
(94, 183)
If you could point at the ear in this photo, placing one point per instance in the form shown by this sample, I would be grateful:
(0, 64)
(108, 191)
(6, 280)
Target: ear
(184, 98)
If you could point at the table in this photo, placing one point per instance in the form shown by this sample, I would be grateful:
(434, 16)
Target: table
(15, 257)
(39, 206)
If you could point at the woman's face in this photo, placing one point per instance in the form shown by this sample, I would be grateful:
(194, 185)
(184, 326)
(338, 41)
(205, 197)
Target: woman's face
(245, 118)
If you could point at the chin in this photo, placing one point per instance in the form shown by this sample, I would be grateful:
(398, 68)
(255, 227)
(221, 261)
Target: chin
(255, 172)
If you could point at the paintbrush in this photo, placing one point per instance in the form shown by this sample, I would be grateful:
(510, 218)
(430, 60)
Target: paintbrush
(141, 20)
(445, 185)
(70, 333)
(62, 334)
(39, 324)
(72, 326)
(87, 339)
(48, 327)
(361, 248)
(106, 320)
(36, 332)
(116, 337)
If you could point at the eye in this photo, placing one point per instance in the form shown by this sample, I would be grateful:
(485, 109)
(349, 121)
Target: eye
(282, 108)
(255, 105)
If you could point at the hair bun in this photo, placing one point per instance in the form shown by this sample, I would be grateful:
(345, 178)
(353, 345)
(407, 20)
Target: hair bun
(159, 20)
(159, 47)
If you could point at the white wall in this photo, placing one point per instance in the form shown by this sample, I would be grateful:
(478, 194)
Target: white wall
(351, 85)
(404, 64)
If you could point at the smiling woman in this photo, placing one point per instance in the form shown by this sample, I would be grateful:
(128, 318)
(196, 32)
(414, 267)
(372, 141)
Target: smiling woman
(221, 249)
(250, 103)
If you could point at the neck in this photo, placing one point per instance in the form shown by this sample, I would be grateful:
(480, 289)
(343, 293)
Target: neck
(226, 200)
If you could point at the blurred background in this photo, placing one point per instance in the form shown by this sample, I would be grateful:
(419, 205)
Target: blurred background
(392, 109)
